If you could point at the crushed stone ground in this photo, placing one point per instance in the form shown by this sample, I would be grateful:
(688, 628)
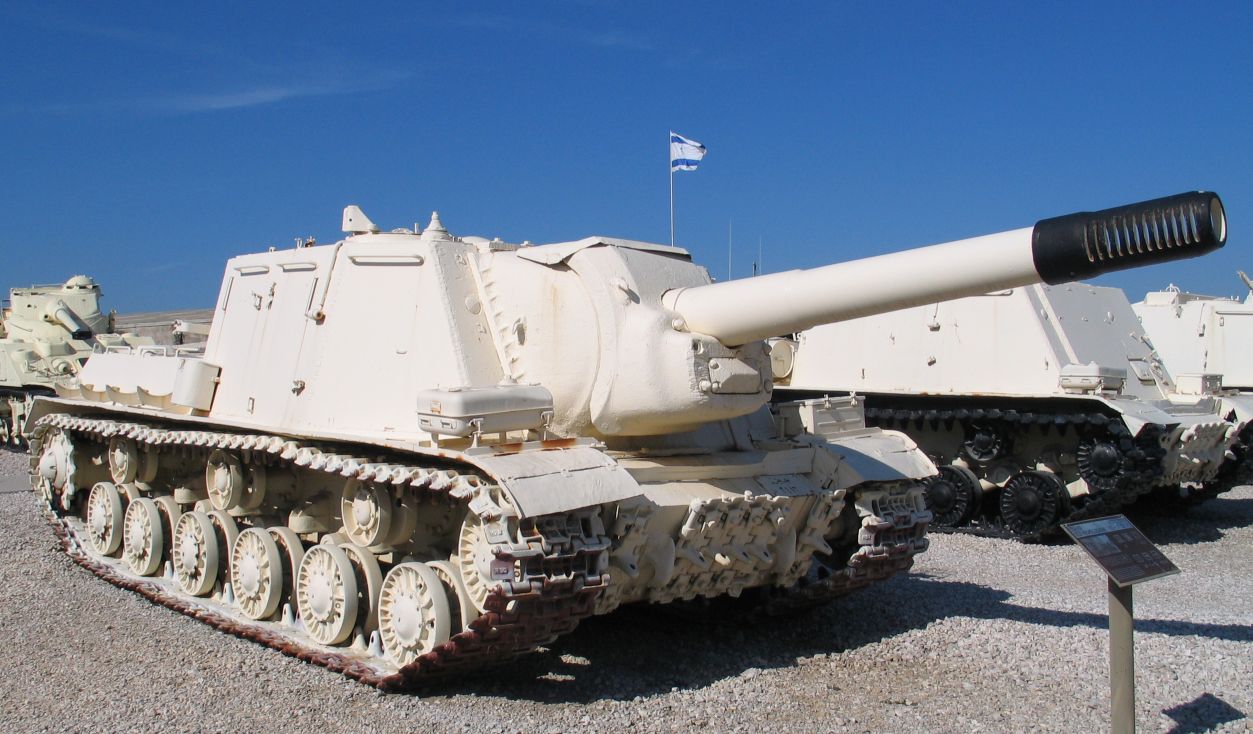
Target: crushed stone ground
(984, 635)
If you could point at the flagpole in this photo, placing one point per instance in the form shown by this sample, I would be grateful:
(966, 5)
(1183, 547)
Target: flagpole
(670, 165)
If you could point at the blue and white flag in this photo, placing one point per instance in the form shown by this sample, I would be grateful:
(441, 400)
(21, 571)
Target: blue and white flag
(684, 153)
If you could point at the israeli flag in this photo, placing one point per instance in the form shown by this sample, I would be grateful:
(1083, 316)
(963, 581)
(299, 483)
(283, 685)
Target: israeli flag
(684, 153)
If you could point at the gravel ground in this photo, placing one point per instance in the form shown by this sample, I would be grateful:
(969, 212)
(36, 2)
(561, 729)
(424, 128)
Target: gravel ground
(984, 635)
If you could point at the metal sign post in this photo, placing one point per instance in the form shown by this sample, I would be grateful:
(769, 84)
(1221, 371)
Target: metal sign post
(1127, 558)
(1122, 660)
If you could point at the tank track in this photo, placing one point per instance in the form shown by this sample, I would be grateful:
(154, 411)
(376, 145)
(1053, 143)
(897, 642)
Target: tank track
(1234, 473)
(887, 542)
(555, 595)
(1140, 472)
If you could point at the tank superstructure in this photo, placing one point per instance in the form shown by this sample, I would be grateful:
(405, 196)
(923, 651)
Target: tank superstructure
(1039, 404)
(408, 453)
(47, 332)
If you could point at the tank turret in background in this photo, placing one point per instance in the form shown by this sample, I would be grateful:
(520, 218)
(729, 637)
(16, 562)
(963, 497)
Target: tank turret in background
(408, 453)
(1039, 404)
(46, 334)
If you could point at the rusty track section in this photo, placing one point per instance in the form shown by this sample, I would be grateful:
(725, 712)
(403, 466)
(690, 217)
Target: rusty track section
(555, 593)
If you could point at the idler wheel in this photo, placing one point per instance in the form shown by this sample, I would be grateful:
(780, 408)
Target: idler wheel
(984, 444)
(326, 587)
(414, 615)
(257, 573)
(196, 553)
(1032, 502)
(953, 495)
(104, 518)
(58, 469)
(143, 537)
(1100, 464)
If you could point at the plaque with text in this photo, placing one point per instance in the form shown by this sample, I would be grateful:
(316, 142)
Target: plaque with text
(1121, 549)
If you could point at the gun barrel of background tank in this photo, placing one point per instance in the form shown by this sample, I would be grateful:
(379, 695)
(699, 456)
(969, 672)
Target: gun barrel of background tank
(58, 312)
(1055, 250)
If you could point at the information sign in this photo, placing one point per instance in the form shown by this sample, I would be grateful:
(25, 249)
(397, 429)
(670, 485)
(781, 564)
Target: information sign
(1121, 549)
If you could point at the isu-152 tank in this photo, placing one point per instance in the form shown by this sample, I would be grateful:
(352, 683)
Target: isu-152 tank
(407, 453)
(1039, 404)
(47, 332)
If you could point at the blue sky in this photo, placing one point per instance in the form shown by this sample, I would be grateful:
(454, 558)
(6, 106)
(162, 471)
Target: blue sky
(146, 142)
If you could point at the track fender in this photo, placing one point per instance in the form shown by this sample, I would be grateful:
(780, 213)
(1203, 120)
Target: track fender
(876, 456)
(558, 480)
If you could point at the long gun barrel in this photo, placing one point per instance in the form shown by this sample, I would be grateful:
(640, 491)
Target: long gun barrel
(1055, 250)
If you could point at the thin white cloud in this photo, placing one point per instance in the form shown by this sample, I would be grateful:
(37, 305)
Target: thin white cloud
(270, 84)
(265, 95)
(232, 100)
(215, 101)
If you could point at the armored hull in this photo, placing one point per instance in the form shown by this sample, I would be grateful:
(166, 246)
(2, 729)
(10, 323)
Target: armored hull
(1039, 404)
(407, 454)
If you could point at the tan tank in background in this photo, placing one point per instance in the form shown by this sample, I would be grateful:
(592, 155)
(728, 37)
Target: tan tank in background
(1207, 343)
(46, 334)
(1039, 404)
(408, 453)
(1208, 338)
